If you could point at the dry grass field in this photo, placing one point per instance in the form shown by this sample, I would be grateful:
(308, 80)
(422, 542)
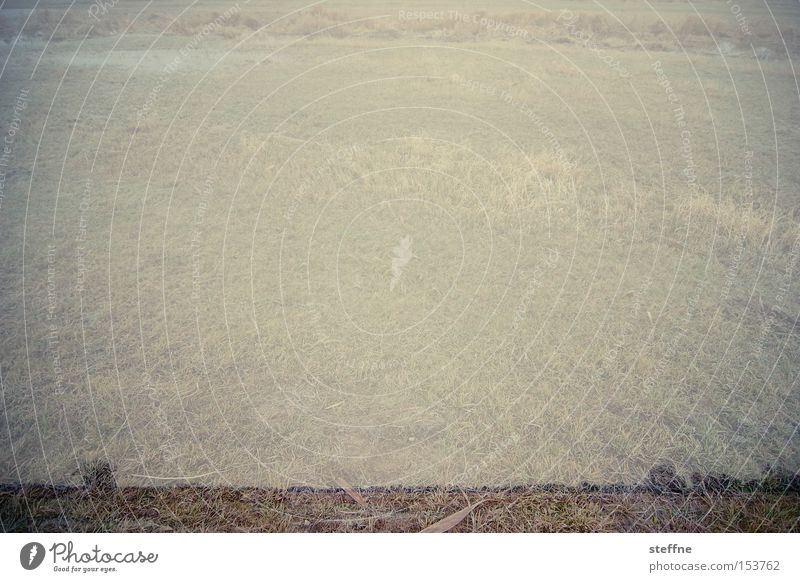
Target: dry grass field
(271, 244)
(502, 510)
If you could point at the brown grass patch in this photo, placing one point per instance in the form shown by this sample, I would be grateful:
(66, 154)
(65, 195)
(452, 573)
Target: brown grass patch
(196, 509)
(663, 503)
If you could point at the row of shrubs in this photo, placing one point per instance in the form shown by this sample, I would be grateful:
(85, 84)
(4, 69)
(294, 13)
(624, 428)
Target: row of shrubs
(454, 26)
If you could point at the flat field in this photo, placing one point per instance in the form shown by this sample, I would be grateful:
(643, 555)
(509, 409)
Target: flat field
(399, 243)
